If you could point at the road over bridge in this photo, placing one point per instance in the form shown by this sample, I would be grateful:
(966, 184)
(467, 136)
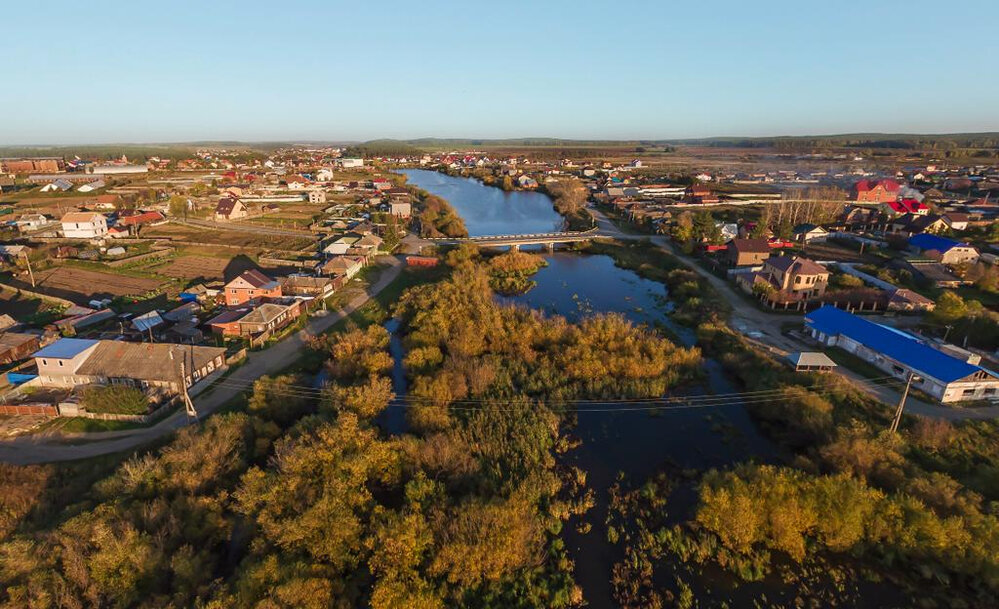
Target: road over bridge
(515, 241)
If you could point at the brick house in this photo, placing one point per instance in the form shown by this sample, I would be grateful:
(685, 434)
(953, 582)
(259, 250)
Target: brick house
(876, 191)
(251, 284)
(230, 208)
(747, 252)
(791, 277)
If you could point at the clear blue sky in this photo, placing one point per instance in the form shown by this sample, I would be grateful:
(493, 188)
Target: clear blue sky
(77, 72)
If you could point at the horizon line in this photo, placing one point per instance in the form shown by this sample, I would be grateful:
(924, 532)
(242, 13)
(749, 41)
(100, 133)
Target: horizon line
(293, 141)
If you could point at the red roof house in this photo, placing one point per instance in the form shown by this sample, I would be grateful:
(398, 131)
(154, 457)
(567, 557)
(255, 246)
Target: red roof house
(876, 191)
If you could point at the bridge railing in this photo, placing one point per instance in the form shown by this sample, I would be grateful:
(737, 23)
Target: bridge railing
(524, 236)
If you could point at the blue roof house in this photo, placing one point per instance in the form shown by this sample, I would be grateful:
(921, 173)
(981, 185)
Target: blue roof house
(63, 358)
(951, 252)
(946, 377)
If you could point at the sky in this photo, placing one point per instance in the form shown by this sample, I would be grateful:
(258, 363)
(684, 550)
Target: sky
(103, 71)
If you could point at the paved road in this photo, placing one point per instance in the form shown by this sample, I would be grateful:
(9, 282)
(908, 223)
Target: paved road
(765, 328)
(42, 449)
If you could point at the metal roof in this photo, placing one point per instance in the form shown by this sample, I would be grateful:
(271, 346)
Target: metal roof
(147, 320)
(65, 348)
(927, 241)
(810, 358)
(900, 347)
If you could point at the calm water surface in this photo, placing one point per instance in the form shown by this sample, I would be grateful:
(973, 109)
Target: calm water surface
(635, 444)
(487, 210)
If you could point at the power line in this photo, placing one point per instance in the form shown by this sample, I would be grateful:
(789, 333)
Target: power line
(309, 391)
(645, 404)
(312, 392)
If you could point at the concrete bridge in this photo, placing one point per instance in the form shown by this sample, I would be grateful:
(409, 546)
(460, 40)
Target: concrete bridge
(515, 241)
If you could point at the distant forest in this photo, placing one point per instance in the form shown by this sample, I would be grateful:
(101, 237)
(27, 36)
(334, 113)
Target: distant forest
(979, 144)
(900, 141)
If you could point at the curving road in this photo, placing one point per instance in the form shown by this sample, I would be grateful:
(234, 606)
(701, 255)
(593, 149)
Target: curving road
(43, 449)
(765, 328)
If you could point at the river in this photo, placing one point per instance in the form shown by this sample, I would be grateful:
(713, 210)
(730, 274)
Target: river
(487, 210)
(636, 444)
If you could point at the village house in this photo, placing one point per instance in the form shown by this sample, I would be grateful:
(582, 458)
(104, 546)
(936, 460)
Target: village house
(698, 194)
(138, 218)
(809, 233)
(912, 224)
(905, 206)
(226, 323)
(269, 317)
(956, 221)
(30, 222)
(876, 191)
(7, 322)
(84, 225)
(907, 301)
(930, 271)
(400, 209)
(940, 374)
(788, 278)
(307, 286)
(525, 181)
(249, 285)
(15, 346)
(340, 246)
(230, 209)
(747, 252)
(105, 202)
(263, 318)
(71, 362)
(949, 251)
(342, 266)
(317, 196)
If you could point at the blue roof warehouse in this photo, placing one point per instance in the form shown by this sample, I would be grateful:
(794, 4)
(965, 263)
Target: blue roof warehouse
(943, 375)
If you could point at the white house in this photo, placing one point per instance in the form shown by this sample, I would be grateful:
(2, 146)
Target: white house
(340, 246)
(29, 222)
(402, 209)
(351, 163)
(84, 225)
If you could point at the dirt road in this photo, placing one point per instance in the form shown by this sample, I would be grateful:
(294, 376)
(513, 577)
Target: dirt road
(765, 329)
(43, 449)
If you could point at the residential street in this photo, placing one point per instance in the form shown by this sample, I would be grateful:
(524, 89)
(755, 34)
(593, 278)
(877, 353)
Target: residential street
(41, 449)
(765, 327)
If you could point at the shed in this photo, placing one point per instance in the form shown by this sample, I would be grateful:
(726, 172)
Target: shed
(810, 361)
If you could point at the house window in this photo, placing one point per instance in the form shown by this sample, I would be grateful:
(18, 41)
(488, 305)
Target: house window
(990, 391)
(60, 363)
(45, 362)
(968, 393)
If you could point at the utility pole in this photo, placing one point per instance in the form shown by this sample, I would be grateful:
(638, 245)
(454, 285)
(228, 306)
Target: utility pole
(901, 405)
(188, 404)
(31, 273)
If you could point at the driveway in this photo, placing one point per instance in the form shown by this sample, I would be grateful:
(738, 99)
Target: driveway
(42, 449)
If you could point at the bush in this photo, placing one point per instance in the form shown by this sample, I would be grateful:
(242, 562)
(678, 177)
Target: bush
(115, 399)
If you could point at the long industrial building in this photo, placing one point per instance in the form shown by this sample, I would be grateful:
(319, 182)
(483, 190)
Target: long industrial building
(943, 375)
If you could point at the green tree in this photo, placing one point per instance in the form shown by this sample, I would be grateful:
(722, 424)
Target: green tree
(683, 227)
(178, 206)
